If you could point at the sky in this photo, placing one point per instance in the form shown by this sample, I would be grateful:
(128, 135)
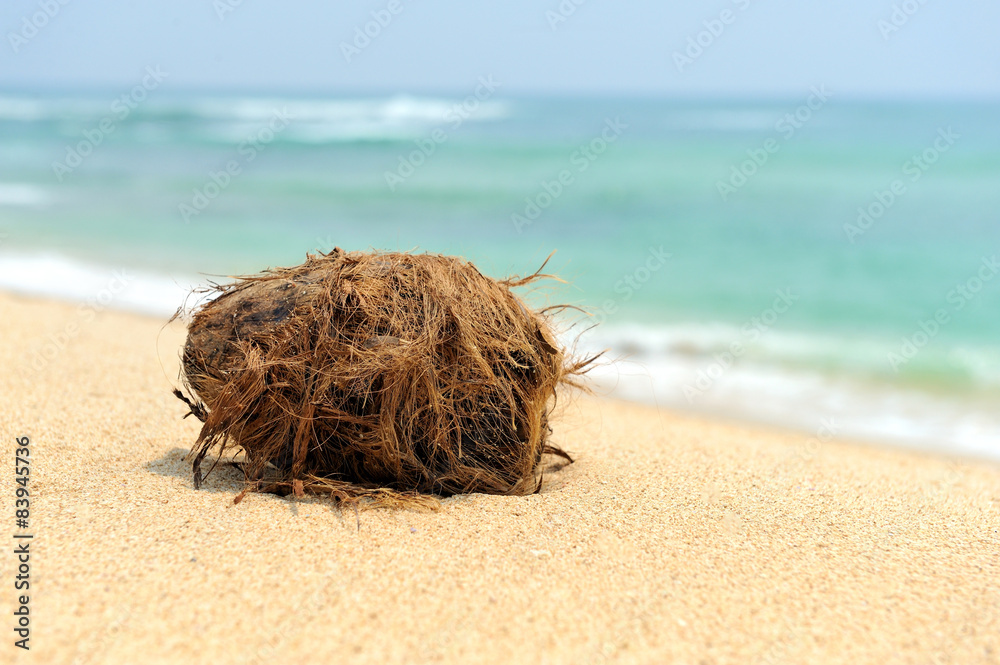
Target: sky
(864, 48)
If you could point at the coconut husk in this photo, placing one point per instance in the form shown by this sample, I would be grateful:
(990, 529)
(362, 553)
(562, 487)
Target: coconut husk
(388, 376)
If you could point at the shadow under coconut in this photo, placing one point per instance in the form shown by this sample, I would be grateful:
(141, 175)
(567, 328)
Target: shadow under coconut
(176, 463)
(228, 478)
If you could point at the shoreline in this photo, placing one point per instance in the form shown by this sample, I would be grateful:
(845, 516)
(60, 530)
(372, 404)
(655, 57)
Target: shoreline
(709, 414)
(766, 428)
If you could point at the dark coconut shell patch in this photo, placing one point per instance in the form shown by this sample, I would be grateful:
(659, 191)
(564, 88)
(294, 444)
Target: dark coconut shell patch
(389, 376)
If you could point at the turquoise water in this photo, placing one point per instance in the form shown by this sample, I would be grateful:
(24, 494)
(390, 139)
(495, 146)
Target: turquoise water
(640, 180)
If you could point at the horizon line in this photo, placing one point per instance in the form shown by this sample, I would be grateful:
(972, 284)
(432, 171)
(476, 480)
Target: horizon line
(590, 95)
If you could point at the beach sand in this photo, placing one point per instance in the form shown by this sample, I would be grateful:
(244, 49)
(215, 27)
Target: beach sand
(671, 539)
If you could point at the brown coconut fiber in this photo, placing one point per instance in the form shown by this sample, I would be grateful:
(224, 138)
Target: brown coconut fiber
(388, 376)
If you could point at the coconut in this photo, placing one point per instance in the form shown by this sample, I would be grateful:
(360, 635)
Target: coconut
(380, 375)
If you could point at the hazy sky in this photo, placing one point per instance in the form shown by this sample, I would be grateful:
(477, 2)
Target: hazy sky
(626, 46)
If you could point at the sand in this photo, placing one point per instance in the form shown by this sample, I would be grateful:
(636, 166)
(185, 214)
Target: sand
(672, 539)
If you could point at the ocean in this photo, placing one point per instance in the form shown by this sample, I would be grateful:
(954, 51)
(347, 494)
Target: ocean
(818, 263)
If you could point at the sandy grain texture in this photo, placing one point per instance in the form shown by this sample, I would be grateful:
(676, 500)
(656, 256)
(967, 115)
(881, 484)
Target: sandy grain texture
(671, 539)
